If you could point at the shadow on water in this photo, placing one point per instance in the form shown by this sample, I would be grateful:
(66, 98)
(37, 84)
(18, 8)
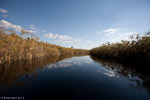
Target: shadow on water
(133, 72)
(10, 72)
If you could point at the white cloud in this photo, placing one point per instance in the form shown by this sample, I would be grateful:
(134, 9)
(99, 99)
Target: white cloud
(109, 31)
(32, 26)
(3, 10)
(44, 31)
(18, 28)
(50, 35)
(88, 41)
(34, 29)
(64, 41)
(99, 32)
(125, 36)
(31, 31)
(6, 24)
(28, 31)
(62, 38)
(77, 40)
(4, 15)
(55, 36)
(130, 33)
(118, 37)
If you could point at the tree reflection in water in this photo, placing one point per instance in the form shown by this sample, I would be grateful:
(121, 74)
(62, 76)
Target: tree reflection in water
(24, 71)
(135, 73)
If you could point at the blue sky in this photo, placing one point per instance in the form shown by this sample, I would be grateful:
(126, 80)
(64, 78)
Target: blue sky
(78, 23)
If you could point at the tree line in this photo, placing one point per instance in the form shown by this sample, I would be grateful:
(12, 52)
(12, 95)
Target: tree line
(137, 50)
(26, 45)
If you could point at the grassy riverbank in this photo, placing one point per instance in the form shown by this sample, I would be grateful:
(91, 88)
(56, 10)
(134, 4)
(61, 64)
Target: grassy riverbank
(135, 51)
(27, 46)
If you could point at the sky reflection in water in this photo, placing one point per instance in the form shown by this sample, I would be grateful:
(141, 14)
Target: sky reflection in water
(77, 78)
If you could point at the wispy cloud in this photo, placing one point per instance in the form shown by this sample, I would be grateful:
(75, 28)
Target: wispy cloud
(32, 26)
(64, 41)
(56, 36)
(130, 33)
(109, 31)
(18, 28)
(124, 36)
(34, 29)
(4, 15)
(99, 32)
(49, 35)
(77, 40)
(118, 37)
(88, 41)
(44, 31)
(3, 10)
(62, 38)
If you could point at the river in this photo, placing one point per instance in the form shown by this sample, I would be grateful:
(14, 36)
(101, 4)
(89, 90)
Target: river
(73, 78)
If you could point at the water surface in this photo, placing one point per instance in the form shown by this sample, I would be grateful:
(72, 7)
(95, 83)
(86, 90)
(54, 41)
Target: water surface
(76, 78)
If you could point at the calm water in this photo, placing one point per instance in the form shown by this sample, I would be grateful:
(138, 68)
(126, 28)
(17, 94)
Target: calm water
(76, 78)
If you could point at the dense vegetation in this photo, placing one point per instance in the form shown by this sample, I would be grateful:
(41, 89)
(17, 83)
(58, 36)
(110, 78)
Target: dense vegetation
(135, 51)
(13, 47)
